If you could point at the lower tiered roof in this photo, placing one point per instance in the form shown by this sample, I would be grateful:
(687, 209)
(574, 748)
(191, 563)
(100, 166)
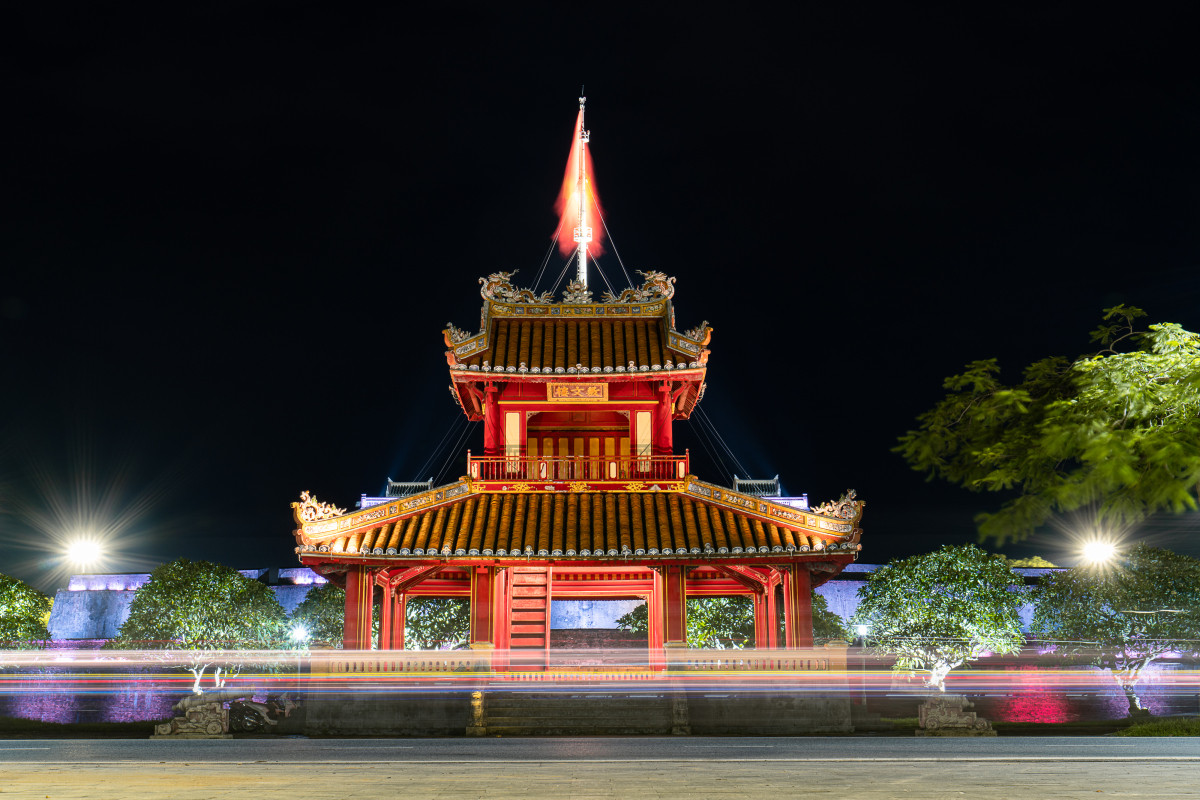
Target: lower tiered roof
(686, 518)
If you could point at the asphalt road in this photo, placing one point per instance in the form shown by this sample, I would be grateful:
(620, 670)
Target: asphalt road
(689, 767)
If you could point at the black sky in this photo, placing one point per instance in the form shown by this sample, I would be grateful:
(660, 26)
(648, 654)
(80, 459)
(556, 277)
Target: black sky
(220, 223)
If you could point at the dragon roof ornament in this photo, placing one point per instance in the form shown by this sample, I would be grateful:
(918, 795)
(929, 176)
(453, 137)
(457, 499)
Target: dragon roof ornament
(498, 286)
(657, 285)
(309, 509)
(576, 293)
(846, 507)
(697, 333)
(457, 335)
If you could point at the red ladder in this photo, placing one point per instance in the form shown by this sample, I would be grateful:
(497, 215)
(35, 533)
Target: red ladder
(529, 617)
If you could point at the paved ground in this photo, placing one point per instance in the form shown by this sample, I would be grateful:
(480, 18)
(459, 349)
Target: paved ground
(1058, 767)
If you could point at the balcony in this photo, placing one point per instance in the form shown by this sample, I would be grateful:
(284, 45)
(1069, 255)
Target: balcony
(578, 468)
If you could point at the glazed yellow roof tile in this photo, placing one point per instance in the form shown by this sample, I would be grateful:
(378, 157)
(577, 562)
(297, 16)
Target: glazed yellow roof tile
(579, 524)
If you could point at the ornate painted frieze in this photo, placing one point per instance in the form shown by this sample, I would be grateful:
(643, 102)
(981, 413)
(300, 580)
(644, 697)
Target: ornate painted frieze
(678, 342)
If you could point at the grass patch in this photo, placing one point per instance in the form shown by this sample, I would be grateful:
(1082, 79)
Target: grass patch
(1092, 727)
(14, 727)
(1168, 726)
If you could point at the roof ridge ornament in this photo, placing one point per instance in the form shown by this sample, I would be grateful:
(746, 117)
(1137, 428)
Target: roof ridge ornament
(498, 286)
(657, 285)
(458, 335)
(309, 509)
(577, 292)
(845, 507)
(696, 334)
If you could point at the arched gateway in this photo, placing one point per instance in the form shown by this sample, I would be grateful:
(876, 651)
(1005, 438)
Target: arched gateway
(579, 492)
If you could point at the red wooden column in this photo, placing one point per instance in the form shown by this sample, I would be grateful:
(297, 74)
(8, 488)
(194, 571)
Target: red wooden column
(493, 434)
(483, 616)
(674, 607)
(386, 617)
(501, 617)
(399, 619)
(663, 444)
(797, 602)
(766, 619)
(360, 593)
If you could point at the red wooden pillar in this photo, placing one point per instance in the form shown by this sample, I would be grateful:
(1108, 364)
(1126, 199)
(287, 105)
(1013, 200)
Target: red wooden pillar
(797, 601)
(674, 607)
(493, 433)
(654, 616)
(663, 444)
(360, 594)
(501, 617)
(483, 615)
(387, 610)
(766, 619)
(399, 619)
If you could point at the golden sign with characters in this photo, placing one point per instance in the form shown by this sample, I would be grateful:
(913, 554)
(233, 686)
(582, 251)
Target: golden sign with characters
(577, 392)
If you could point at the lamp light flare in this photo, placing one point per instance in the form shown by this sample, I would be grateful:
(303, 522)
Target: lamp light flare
(1099, 551)
(84, 552)
(567, 206)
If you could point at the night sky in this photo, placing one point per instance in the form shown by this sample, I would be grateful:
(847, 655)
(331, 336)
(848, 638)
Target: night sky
(218, 224)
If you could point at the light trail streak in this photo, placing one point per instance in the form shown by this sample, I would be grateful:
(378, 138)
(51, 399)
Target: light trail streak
(91, 672)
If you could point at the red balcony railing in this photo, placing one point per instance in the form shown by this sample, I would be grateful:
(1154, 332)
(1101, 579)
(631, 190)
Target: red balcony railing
(578, 468)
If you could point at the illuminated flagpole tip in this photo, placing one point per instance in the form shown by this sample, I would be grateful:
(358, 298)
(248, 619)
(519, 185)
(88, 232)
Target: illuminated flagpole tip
(577, 204)
(583, 233)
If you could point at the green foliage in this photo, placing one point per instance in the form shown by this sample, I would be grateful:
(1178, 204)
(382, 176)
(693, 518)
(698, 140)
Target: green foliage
(728, 622)
(322, 612)
(720, 622)
(430, 622)
(203, 608)
(1125, 617)
(24, 612)
(937, 611)
(1174, 726)
(436, 622)
(827, 626)
(1117, 430)
(199, 605)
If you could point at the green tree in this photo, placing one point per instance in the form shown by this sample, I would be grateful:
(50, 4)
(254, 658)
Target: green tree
(429, 622)
(204, 609)
(436, 622)
(322, 613)
(1122, 618)
(1118, 429)
(940, 610)
(827, 626)
(728, 622)
(24, 613)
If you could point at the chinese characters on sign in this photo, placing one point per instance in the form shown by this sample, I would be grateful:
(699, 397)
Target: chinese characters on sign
(577, 392)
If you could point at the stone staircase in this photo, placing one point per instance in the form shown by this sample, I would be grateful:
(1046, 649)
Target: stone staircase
(535, 713)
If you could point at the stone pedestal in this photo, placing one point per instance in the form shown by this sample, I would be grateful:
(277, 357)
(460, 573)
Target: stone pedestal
(202, 721)
(946, 715)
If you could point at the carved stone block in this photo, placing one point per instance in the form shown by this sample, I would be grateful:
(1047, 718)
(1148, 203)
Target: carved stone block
(945, 715)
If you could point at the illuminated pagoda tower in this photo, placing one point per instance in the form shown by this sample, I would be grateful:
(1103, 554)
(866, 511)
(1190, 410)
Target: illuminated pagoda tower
(579, 492)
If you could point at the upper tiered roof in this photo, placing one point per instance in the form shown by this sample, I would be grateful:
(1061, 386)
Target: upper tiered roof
(631, 336)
